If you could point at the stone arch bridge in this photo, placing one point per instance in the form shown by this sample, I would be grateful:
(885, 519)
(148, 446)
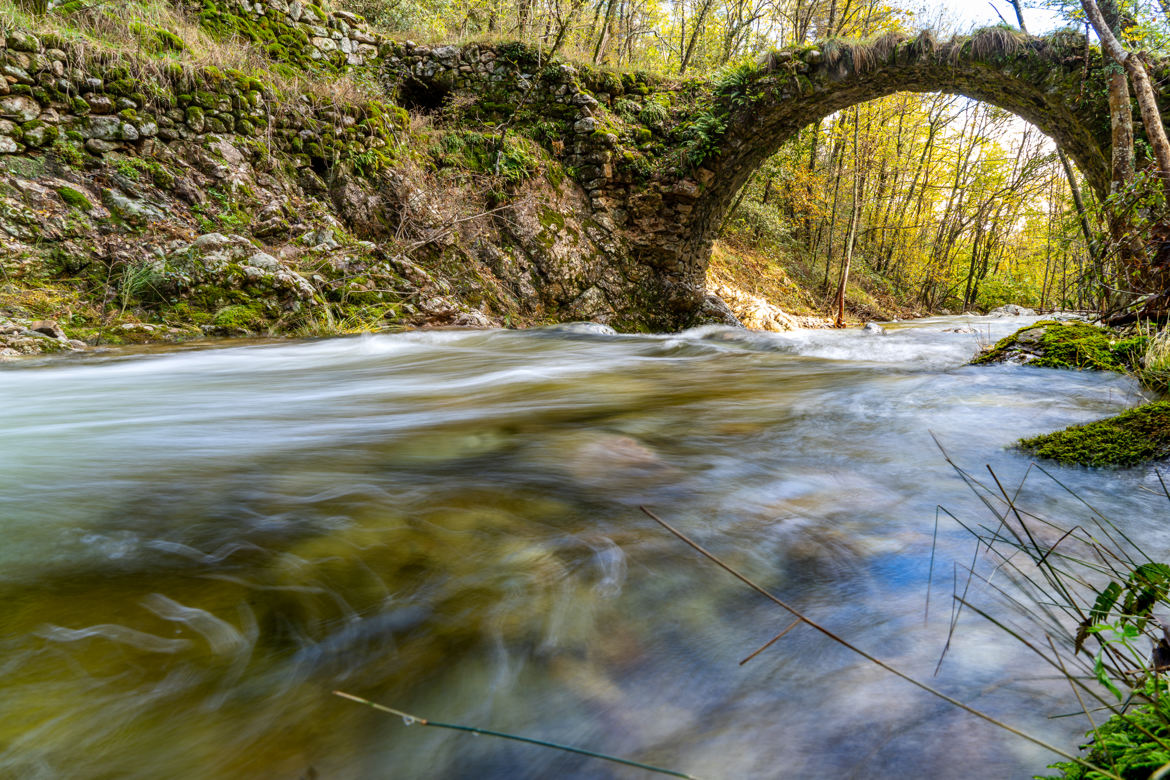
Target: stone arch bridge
(661, 161)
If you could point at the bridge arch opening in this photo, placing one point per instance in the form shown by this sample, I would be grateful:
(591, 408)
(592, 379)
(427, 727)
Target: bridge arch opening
(1043, 81)
(937, 201)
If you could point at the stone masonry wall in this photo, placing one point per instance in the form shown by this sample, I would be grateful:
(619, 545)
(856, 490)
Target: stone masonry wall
(509, 78)
(664, 190)
(571, 106)
(52, 93)
(303, 33)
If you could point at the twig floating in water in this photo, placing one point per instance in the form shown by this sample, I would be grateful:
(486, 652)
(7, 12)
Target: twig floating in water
(772, 641)
(408, 718)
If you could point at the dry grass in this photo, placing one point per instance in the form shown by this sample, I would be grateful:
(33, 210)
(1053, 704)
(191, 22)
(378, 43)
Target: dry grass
(884, 48)
(996, 42)
(863, 57)
(118, 27)
(748, 269)
(923, 46)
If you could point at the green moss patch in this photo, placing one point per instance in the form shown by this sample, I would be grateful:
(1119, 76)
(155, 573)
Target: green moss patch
(285, 43)
(1132, 437)
(240, 317)
(74, 199)
(1051, 344)
(511, 157)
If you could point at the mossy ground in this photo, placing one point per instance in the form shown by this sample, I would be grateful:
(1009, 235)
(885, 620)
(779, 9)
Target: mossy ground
(1132, 437)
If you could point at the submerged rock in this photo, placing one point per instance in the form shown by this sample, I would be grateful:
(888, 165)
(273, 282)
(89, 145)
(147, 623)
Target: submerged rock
(1012, 310)
(588, 328)
(604, 460)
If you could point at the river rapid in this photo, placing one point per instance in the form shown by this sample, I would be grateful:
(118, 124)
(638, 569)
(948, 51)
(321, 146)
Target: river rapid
(201, 544)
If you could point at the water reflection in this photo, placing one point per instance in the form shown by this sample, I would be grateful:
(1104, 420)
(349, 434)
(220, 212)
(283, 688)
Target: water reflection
(201, 545)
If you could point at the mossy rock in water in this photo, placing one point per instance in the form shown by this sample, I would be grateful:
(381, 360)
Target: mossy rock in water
(1051, 344)
(1132, 437)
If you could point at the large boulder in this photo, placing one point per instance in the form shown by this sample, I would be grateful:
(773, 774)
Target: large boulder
(232, 263)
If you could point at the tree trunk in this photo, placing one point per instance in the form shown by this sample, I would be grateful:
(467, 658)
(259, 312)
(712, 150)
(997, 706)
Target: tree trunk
(1019, 15)
(1143, 89)
(603, 37)
(1121, 115)
(700, 19)
(833, 214)
(563, 30)
(851, 233)
(1079, 204)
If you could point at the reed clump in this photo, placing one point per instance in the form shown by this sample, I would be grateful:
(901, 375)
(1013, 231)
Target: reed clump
(1083, 599)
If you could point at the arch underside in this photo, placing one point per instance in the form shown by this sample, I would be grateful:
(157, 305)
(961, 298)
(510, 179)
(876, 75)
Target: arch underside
(756, 134)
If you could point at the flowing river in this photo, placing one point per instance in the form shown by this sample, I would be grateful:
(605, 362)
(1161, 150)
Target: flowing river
(201, 544)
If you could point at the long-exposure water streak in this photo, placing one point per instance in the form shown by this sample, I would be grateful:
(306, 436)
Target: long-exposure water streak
(200, 544)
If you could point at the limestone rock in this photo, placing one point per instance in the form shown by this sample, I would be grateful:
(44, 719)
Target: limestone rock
(753, 311)
(1011, 310)
(232, 261)
(49, 328)
(22, 41)
(133, 211)
(98, 146)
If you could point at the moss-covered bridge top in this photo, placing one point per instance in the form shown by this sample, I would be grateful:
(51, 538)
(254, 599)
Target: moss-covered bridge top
(669, 129)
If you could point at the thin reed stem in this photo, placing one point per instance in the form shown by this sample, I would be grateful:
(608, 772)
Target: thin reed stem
(408, 718)
(873, 659)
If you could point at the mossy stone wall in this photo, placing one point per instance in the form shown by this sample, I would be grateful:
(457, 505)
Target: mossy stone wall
(299, 32)
(48, 99)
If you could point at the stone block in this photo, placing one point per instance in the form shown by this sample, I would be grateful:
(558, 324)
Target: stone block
(99, 104)
(17, 75)
(98, 146)
(20, 108)
(22, 41)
